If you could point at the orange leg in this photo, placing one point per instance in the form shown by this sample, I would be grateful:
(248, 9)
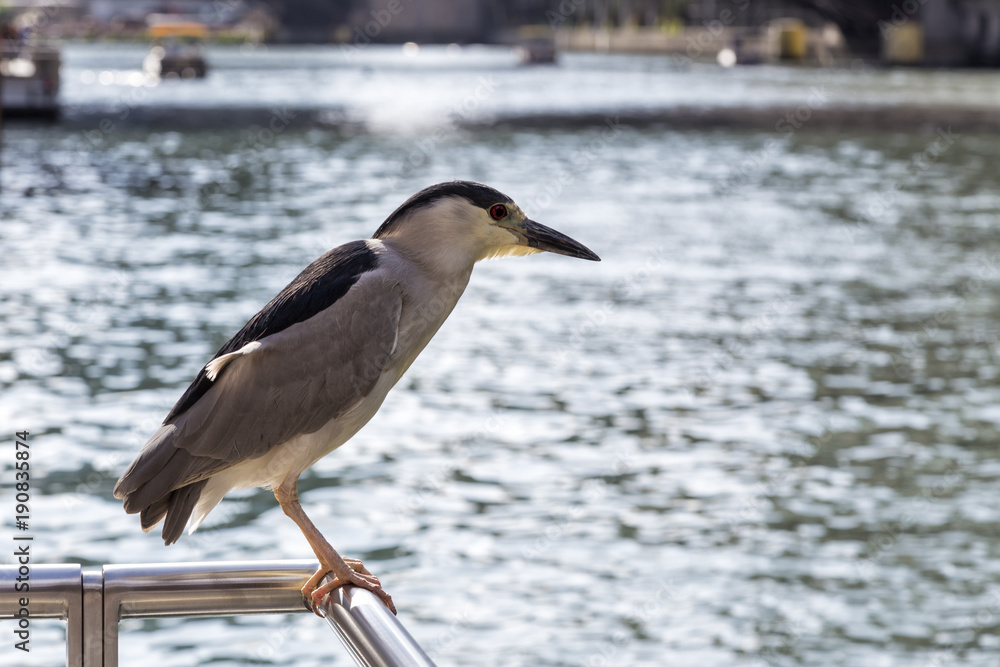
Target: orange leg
(344, 570)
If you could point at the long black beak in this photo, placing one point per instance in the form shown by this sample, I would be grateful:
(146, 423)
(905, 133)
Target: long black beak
(545, 238)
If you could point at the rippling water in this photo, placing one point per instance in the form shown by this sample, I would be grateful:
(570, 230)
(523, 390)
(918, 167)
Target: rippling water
(762, 431)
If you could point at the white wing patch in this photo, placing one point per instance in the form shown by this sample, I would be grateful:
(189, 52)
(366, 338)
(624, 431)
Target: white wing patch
(215, 366)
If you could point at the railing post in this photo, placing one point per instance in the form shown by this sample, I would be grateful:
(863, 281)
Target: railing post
(96, 635)
(55, 593)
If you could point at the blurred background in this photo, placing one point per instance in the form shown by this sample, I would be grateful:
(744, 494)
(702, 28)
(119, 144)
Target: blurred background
(762, 431)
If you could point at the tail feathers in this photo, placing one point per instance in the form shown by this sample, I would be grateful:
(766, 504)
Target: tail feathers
(154, 514)
(163, 484)
(182, 502)
(176, 507)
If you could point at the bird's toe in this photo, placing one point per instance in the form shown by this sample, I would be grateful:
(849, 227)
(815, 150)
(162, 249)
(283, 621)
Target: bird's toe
(367, 581)
(357, 566)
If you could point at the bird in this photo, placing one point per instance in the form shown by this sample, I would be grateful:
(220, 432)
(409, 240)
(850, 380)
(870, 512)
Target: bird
(309, 370)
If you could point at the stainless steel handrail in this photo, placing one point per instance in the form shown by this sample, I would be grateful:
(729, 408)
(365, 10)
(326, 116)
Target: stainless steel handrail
(372, 634)
(54, 592)
(94, 601)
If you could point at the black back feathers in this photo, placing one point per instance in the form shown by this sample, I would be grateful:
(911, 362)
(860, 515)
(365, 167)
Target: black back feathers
(317, 288)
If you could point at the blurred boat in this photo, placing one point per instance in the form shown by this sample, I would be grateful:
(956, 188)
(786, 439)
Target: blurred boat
(536, 45)
(177, 49)
(29, 76)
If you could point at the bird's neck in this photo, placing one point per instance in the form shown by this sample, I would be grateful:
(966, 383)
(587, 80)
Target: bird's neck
(449, 263)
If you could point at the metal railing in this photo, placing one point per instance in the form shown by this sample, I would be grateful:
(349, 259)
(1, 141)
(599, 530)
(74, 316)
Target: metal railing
(92, 602)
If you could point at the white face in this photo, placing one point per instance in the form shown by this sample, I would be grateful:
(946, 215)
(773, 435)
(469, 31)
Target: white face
(503, 238)
(457, 228)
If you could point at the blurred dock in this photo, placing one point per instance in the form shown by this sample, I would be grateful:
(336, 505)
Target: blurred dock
(782, 40)
(931, 33)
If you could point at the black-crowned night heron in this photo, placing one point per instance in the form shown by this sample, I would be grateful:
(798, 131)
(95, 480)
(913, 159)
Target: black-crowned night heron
(311, 368)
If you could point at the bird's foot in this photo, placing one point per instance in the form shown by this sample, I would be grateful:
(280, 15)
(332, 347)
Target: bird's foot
(356, 573)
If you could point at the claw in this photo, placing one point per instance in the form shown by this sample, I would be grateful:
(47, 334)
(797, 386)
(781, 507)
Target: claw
(357, 575)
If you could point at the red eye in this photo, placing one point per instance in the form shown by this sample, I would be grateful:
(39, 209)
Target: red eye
(498, 211)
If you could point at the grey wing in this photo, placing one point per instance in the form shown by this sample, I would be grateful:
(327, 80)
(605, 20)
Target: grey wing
(286, 384)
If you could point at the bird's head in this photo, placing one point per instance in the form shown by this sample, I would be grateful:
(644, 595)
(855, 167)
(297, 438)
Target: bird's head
(456, 224)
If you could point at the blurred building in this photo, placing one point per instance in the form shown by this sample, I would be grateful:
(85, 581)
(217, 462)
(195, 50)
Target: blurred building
(423, 20)
(930, 32)
(958, 32)
(917, 32)
(309, 20)
(135, 11)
